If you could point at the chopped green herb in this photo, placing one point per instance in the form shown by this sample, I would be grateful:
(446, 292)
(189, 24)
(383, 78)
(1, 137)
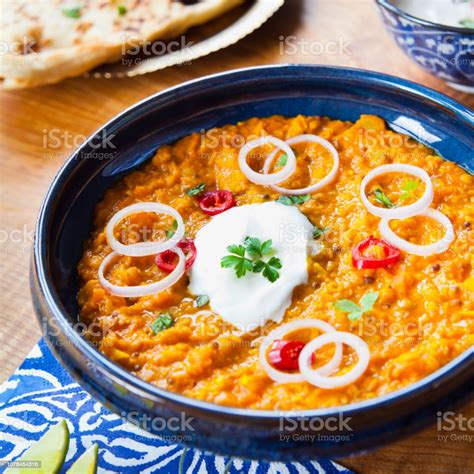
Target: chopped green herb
(162, 322)
(354, 310)
(467, 22)
(201, 300)
(122, 10)
(382, 198)
(196, 190)
(286, 200)
(72, 12)
(294, 200)
(346, 305)
(256, 250)
(318, 232)
(408, 188)
(282, 160)
(367, 302)
(170, 232)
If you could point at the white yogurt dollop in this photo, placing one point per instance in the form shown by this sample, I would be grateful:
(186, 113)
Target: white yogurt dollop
(252, 300)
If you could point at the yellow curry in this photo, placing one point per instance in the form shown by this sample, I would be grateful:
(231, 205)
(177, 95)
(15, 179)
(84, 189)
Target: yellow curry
(422, 311)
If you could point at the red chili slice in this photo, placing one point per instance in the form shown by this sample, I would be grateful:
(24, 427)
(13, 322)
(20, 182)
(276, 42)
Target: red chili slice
(284, 354)
(359, 260)
(167, 260)
(215, 202)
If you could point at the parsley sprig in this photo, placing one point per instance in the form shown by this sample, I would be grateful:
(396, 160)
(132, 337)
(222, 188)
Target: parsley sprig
(237, 260)
(248, 257)
(355, 311)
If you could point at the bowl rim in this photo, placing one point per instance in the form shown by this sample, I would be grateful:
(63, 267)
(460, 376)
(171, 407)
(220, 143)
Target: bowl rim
(430, 24)
(116, 372)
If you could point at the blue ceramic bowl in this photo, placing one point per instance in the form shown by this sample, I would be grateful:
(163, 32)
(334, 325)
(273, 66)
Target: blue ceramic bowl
(65, 221)
(445, 51)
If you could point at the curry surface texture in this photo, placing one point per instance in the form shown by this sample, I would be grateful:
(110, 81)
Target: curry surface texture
(423, 318)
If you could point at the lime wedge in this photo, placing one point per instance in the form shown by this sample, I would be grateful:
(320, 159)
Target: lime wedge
(87, 463)
(49, 451)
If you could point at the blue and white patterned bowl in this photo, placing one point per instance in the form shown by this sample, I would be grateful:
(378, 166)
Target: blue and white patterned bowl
(445, 51)
(65, 221)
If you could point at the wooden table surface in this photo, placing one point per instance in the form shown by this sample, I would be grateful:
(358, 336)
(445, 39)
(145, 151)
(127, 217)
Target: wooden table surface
(70, 111)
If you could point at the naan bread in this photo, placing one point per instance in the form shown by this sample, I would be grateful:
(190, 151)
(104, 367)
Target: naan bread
(50, 40)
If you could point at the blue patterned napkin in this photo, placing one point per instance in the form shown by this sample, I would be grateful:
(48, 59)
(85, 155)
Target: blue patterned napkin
(40, 393)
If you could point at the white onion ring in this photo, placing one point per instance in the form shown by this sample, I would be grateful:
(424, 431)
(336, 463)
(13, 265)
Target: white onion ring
(278, 333)
(422, 250)
(141, 290)
(142, 249)
(315, 377)
(321, 183)
(401, 212)
(263, 178)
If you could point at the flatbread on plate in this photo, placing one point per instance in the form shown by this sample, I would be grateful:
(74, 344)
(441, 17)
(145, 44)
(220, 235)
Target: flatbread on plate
(50, 40)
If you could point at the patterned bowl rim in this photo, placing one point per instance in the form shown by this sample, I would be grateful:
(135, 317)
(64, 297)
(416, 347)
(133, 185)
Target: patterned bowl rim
(394, 9)
(45, 286)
